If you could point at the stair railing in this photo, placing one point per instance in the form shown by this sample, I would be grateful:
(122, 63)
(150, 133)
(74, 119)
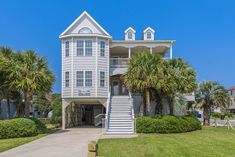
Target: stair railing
(133, 114)
(107, 111)
(98, 119)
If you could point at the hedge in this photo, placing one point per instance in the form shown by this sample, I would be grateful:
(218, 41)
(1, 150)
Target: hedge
(41, 127)
(167, 124)
(20, 127)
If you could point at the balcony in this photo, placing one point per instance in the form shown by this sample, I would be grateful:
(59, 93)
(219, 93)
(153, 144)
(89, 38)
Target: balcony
(119, 62)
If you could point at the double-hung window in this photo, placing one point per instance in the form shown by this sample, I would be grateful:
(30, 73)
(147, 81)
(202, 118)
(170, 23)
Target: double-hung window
(67, 79)
(149, 35)
(129, 35)
(66, 48)
(88, 78)
(80, 79)
(88, 47)
(102, 48)
(80, 48)
(102, 79)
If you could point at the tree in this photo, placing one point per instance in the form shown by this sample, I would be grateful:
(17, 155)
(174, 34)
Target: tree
(179, 78)
(29, 73)
(210, 94)
(57, 109)
(43, 102)
(144, 73)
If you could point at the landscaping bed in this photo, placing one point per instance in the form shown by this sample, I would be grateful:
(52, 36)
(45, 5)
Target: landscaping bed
(208, 142)
(167, 124)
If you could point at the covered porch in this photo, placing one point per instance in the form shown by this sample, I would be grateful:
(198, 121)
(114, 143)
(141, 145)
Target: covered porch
(83, 112)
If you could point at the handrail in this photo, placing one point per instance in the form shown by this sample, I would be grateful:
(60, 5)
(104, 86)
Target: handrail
(107, 111)
(119, 62)
(132, 112)
(98, 119)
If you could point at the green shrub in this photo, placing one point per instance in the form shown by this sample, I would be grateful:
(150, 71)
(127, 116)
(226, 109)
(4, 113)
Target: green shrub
(45, 120)
(228, 114)
(167, 124)
(41, 127)
(20, 127)
(216, 114)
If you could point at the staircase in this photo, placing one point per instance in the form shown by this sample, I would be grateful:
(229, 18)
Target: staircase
(120, 116)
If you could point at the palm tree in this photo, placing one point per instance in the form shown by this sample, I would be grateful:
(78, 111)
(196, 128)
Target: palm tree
(27, 72)
(144, 73)
(179, 78)
(209, 94)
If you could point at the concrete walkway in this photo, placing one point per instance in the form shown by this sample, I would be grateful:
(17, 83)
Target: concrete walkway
(69, 143)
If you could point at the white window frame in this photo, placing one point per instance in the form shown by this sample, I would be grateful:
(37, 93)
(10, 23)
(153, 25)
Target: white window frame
(80, 47)
(82, 78)
(67, 48)
(102, 80)
(148, 33)
(86, 47)
(66, 78)
(102, 49)
(86, 79)
(131, 35)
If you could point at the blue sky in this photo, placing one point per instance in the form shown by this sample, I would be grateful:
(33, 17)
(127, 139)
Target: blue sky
(204, 30)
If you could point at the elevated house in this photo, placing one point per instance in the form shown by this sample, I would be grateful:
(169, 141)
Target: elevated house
(231, 93)
(92, 68)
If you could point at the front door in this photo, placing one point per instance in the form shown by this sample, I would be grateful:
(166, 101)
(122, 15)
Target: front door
(115, 87)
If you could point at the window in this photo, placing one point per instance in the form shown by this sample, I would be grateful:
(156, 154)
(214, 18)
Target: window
(80, 79)
(129, 35)
(85, 30)
(149, 35)
(66, 79)
(67, 48)
(80, 48)
(102, 48)
(88, 47)
(88, 78)
(102, 79)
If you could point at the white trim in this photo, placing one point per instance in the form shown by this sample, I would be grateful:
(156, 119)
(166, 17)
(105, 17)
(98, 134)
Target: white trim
(149, 28)
(108, 71)
(72, 53)
(84, 35)
(96, 88)
(62, 65)
(128, 29)
(84, 14)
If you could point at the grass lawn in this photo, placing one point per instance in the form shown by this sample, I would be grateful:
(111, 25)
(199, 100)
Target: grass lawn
(208, 142)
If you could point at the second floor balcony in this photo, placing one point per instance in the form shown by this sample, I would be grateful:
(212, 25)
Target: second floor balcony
(119, 62)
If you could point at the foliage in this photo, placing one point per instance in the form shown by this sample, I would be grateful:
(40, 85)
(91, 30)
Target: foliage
(228, 114)
(167, 124)
(210, 94)
(19, 127)
(26, 72)
(216, 114)
(57, 109)
(41, 127)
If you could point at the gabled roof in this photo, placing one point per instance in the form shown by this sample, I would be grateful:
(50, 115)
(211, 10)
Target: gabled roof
(149, 28)
(231, 88)
(130, 28)
(80, 17)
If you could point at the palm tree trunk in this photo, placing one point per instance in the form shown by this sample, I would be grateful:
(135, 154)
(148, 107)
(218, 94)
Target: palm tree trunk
(8, 107)
(159, 103)
(148, 102)
(144, 105)
(26, 104)
(171, 105)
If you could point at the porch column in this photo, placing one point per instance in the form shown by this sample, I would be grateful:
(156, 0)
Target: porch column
(129, 52)
(64, 106)
(151, 50)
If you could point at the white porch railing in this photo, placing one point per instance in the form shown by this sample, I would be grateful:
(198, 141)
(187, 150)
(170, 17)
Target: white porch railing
(107, 113)
(133, 113)
(119, 62)
(98, 119)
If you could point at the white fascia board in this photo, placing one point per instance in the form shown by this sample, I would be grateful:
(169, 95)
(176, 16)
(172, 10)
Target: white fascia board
(130, 28)
(84, 35)
(149, 28)
(84, 14)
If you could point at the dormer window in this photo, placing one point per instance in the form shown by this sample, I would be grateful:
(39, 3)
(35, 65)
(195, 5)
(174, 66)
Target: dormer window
(129, 34)
(148, 34)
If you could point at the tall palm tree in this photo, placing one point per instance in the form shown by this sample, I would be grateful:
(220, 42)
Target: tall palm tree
(28, 72)
(179, 78)
(144, 73)
(209, 94)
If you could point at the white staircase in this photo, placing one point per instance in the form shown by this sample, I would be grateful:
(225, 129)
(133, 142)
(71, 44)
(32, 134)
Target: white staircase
(120, 116)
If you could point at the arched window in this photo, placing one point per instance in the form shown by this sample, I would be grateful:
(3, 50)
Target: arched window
(149, 35)
(129, 35)
(85, 30)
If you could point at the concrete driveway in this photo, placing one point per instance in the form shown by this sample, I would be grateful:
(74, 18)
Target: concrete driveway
(69, 143)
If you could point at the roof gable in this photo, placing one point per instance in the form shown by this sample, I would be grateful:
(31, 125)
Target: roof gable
(130, 29)
(84, 21)
(149, 29)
